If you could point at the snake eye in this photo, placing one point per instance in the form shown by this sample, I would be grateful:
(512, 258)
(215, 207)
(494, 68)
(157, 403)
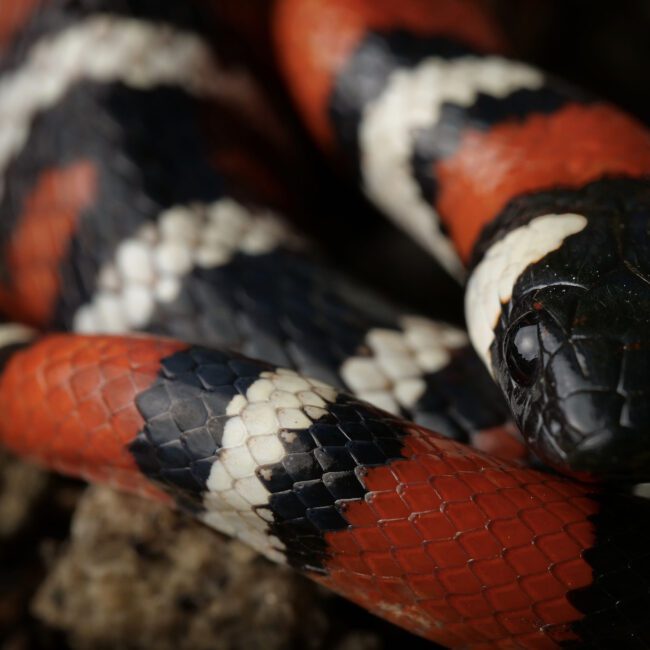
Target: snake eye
(522, 349)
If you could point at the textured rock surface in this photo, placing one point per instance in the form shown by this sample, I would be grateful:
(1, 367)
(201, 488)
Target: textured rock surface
(137, 575)
(35, 508)
(21, 487)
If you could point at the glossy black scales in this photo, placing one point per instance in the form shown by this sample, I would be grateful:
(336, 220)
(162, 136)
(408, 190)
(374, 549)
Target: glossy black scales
(585, 399)
(185, 413)
(187, 445)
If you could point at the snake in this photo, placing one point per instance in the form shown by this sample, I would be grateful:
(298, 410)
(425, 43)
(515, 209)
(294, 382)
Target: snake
(536, 189)
(205, 357)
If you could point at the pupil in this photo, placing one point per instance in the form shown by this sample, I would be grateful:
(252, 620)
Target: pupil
(522, 352)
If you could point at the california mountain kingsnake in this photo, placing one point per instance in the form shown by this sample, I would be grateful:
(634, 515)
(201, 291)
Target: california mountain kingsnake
(119, 213)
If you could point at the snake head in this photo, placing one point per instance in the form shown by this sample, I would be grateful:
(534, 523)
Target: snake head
(559, 308)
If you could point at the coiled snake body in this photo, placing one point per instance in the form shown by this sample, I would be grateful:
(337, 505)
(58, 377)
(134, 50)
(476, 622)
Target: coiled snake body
(117, 216)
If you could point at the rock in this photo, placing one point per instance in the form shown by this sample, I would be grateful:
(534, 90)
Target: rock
(35, 509)
(135, 575)
(138, 575)
(21, 487)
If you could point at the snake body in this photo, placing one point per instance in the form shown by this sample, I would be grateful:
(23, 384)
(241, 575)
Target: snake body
(141, 230)
(540, 189)
(452, 544)
(117, 215)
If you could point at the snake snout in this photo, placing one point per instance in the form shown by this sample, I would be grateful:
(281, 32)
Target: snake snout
(601, 424)
(578, 379)
(588, 441)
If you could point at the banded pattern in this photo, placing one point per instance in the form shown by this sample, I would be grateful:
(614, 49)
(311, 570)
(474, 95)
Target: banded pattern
(149, 268)
(506, 260)
(434, 99)
(451, 139)
(457, 546)
(126, 221)
(432, 108)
